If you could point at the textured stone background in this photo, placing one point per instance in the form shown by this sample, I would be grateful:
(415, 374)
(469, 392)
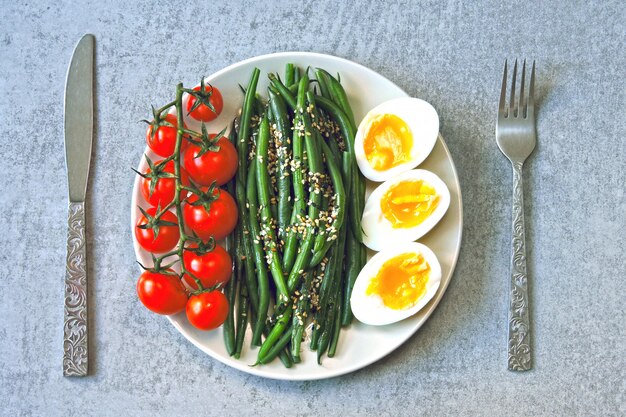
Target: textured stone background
(447, 52)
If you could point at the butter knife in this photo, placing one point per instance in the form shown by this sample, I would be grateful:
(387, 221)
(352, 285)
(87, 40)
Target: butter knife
(78, 138)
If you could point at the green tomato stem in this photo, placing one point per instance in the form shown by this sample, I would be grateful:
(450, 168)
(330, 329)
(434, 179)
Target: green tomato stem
(180, 131)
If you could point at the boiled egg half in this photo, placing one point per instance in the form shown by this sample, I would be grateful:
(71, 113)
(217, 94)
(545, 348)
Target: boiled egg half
(395, 284)
(404, 208)
(394, 137)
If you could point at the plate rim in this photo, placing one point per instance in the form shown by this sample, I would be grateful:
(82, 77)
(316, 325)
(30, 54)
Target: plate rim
(241, 365)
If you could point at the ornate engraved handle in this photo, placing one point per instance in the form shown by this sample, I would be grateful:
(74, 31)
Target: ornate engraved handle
(519, 323)
(75, 324)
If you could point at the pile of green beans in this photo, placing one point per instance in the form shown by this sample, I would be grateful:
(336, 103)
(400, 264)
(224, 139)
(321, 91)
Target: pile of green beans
(297, 246)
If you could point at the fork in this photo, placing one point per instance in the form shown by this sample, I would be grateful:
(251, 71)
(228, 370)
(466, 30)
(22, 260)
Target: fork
(516, 137)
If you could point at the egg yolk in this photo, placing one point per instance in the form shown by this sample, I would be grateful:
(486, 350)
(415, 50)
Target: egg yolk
(388, 142)
(401, 281)
(408, 203)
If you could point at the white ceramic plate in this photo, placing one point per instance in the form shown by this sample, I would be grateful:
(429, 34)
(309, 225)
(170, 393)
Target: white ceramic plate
(359, 345)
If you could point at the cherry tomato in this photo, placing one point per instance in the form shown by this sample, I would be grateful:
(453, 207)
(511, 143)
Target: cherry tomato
(218, 222)
(219, 166)
(163, 143)
(167, 237)
(212, 268)
(202, 112)
(207, 310)
(165, 188)
(161, 293)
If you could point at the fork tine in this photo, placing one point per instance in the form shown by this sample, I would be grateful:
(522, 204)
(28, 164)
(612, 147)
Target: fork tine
(531, 91)
(521, 112)
(503, 91)
(513, 80)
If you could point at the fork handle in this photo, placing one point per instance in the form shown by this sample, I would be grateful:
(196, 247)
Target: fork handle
(519, 354)
(75, 352)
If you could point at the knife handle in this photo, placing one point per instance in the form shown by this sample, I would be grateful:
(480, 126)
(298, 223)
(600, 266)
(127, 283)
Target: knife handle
(75, 352)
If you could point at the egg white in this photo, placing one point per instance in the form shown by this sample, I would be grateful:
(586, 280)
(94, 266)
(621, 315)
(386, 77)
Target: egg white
(422, 120)
(378, 232)
(370, 309)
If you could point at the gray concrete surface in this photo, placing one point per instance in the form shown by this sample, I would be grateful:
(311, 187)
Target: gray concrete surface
(447, 52)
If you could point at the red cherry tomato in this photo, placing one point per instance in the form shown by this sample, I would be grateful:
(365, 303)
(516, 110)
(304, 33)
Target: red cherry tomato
(218, 222)
(167, 237)
(202, 112)
(165, 188)
(163, 142)
(207, 310)
(211, 268)
(219, 166)
(161, 293)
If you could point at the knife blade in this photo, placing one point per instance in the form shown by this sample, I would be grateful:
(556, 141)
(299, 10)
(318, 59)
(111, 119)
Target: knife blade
(78, 143)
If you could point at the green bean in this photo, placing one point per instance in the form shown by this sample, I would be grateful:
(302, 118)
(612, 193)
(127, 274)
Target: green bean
(258, 255)
(340, 203)
(263, 185)
(300, 315)
(277, 331)
(322, 337)
(323, 83)
(324, 293)
(332, 300)
(288, 92)
(283, 174)
(323, 229)
(296, 75)
(242, 319)
(324, 341)
(245, 265)
(240, 181)
(346, 164)
(284, 355)
(276, 349)
(342, 99)
(353, 267)
(330, 107)
(334, 149)
(259, 107)
(339, 96)
(329, 298)
(335, 112)
(287, 95)
(291, 240)
(285, 358)
(233, 242)
(334, 339)
(299, 206)
(346, 170)
(353, 256)
(302, 259)
(321, 236)
(362, 246)
(273, 203)
(289, 74)
(250, 276)
(361, 196)
(263, 224)
(347, 132)
(315, 167)
(230, 290)
(331, 307)
(356, 204)
(244, 122)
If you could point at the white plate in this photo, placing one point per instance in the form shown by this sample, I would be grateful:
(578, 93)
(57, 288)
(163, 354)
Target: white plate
(359, 345)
